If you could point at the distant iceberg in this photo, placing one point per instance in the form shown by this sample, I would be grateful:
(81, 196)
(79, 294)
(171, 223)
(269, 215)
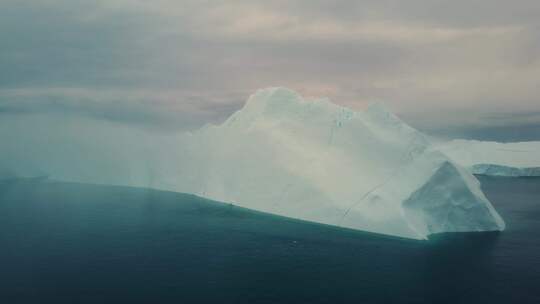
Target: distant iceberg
(281, 154)
(493, 158)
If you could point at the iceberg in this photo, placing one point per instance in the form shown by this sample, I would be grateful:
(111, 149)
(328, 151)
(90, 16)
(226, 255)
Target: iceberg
(494, 158)
(282, 154)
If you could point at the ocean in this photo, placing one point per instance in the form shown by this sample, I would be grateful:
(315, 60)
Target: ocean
(80, 243)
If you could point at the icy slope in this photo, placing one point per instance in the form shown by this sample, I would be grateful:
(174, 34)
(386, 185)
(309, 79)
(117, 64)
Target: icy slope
(281, 154)
(493, 158)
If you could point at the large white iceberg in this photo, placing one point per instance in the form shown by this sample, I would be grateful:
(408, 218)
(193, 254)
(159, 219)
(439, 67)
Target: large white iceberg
(494, 158)
(281, 154)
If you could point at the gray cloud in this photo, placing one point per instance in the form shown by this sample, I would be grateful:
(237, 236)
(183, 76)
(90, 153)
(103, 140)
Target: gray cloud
(139, 108)
(196, 61)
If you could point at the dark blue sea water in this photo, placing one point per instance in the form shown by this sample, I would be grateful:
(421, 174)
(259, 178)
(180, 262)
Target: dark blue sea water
(74, 243)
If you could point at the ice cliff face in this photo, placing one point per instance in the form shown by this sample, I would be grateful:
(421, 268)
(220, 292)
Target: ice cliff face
(493, 158)
(311, 160)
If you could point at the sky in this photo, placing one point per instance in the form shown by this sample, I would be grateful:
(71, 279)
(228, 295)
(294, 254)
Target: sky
(460, 68)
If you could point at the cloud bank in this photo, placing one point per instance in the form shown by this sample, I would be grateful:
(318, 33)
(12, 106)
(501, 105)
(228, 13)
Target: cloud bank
(185, 63)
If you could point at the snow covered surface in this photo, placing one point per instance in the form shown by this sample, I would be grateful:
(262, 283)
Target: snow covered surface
(493, 158)
(305, 159)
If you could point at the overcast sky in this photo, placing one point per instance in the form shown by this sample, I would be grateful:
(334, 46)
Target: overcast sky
(183, 63)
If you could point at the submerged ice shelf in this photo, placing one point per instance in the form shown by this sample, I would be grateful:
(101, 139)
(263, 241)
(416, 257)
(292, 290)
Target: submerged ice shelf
(281, 154)
(494, 158)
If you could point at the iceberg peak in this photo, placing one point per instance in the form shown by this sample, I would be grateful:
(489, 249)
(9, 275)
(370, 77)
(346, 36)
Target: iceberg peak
(273, 97)
(265, 102)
